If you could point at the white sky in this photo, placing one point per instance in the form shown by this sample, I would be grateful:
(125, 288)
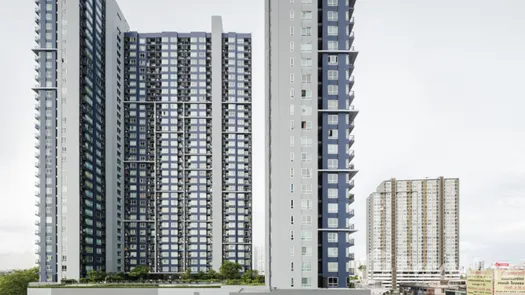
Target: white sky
(438, 84)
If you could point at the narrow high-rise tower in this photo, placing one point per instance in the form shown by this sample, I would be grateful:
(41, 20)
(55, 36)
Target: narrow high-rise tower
(188, 150)
(80, 124)
(310, 117)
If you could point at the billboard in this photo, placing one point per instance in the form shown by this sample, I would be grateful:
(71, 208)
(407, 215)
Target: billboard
(479, 282)
(507, 281)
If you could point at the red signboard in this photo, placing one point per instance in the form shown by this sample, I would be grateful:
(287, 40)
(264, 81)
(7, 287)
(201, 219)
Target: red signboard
(501, 264)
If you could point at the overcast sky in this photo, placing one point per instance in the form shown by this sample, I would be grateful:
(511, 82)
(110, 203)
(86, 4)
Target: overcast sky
(438, 84)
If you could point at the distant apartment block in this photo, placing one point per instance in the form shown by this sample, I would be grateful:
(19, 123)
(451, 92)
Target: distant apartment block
(413, 231)
(143, 144)
(309, 120)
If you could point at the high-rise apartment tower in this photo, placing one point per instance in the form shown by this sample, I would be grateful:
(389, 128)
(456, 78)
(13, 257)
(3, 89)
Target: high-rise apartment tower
(413, 231)
(143, 144)
(188, 150)
(310, 117)
(80, 124)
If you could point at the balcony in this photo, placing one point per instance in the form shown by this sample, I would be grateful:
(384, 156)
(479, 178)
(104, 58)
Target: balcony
(351, 155)
(351, 213)
(351, 140)
(351, 184)
(351, 198)
(37, 9)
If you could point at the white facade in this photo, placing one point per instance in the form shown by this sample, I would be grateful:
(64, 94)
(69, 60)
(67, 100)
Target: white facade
(413, 231)
(309, 59)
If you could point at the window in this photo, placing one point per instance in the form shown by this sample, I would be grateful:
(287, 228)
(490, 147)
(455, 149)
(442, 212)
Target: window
(332, 89)
(306, 31)
(333, 164)
(306, 94)
(306, 62)
(292, 188)
(333, 16)
(306, 1)
(306, 189)
(292, 172)
(306, 78)
(332, 222)
(306, 157)
(292, 78)
(292, 141)
(292, 93)
(332, 237)
(292, 109)
(332, 193)
(292, 31)
(333, 59)
(332, 2)
(306, 266)
(292, 156)
(292, 124)
(333, 75)
(306, 125)
(333, 208)
(306, 47)
(332, 267)
(333, 133)
(306, 15)
(306, 204)
(292, 46)
(333, 282)
(306, 219)
(292, 14)
(306, 235)
(291, 266)
(332, 149)
(332, 178)
(291, 282)
(306, 282)
(333, 30)
(306, 172)
(332, 252)
(292, 62)
(333, 45)
(306, 251)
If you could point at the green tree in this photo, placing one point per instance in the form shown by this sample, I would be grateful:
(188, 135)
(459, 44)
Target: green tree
(187, 275)
(115, 277)
(140, 272)
(16, 283)
(230, 270)
(96, 276)
(250, 276)
(200, 275)
(212, 275)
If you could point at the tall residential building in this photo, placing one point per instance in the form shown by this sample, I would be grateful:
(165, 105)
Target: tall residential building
(413, 231)
(188, 150)
(189, 205)
(310, 117)
(79, 122)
